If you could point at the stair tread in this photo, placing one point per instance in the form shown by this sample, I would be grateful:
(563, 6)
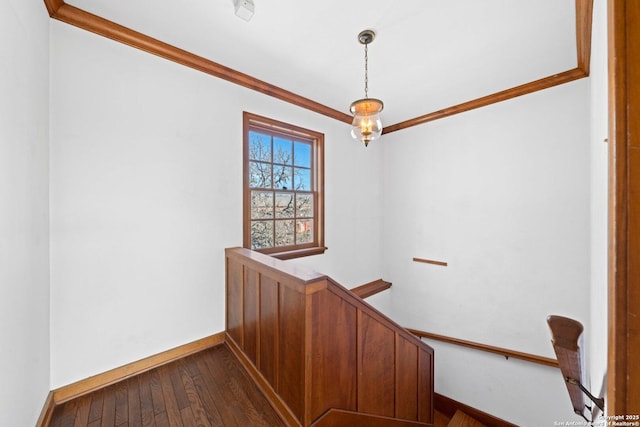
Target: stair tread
(440, 419)
(460, 419)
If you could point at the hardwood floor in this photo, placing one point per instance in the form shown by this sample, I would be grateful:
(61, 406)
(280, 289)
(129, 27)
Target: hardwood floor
(209, 388)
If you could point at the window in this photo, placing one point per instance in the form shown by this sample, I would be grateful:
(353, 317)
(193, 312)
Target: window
(283, 188)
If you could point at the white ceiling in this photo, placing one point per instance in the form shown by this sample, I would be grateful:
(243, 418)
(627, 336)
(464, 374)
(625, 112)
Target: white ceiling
(428, 54)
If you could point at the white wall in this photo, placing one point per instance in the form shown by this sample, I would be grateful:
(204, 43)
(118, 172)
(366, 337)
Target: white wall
(146, 192)
(24, 217)
(146, 182)
(502, 195)
(599, 179)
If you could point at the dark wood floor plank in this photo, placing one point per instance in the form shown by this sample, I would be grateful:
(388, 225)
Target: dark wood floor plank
(56, 418)
(133, 393)
(248, 388)
(195, 403)
(95, 411)
(82, 413)
(188, 420)
(170, 401)
(122, 404)
(109, 407)
(162, 420)
(243, 409)
(69, 413)
(216, 387)
(178, 387)
(206, 389)
(156, 393)
(204, 392)
(146, 401)
(260, 411)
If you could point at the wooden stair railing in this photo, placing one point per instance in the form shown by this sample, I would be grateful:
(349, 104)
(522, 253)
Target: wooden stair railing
(313, 346)
(541, 360)
(567, 340)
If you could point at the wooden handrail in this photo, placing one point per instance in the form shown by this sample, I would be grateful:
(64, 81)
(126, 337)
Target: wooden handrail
(488, 348)
(567, 343)
(371, 288)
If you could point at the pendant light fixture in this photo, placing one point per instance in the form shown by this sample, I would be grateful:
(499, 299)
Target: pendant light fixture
(366, 125)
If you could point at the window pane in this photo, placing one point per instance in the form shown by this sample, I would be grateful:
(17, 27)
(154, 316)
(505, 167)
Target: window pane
(282, 177)
(302, 154)
(304, 231)
(261, 205)
(302, 179)
(284, 205)
(284, 232)
(259, 175)
(282, 209)
(259, 146)
(261, 234)
(282, 151)
(304, 205)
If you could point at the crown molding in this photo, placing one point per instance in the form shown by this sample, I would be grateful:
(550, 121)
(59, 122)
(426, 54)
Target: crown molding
(72, 15)
(584, 13)
(93, 23)
(53, 6)
(544, 83)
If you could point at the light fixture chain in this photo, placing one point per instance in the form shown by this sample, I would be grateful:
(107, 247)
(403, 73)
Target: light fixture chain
(366, 70)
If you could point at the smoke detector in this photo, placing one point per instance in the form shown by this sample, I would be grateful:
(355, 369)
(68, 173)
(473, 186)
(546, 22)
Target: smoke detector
(244, 8)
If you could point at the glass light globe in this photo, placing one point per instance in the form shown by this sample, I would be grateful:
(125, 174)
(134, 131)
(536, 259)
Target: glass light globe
(366, 125)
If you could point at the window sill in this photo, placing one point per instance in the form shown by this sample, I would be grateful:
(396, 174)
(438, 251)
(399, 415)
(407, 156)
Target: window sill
(299, 253)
